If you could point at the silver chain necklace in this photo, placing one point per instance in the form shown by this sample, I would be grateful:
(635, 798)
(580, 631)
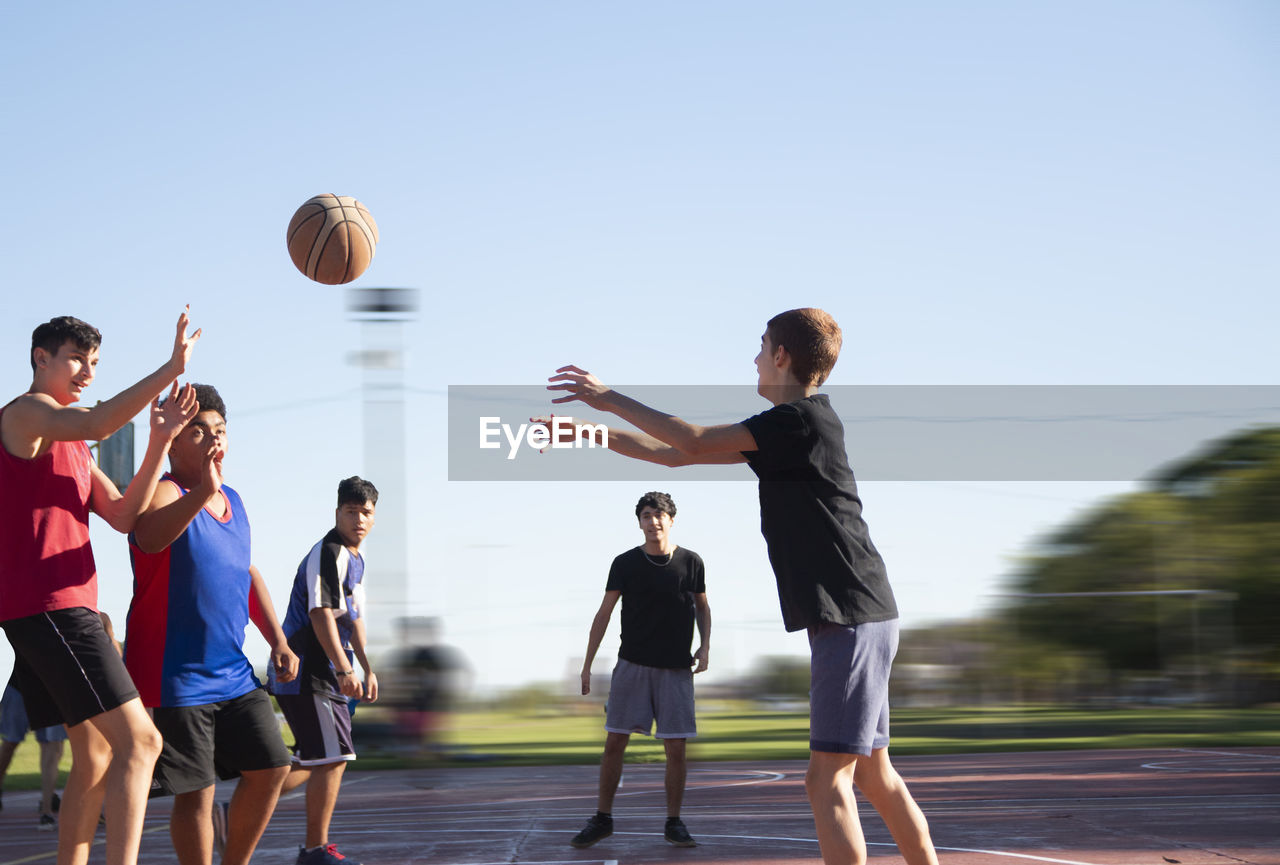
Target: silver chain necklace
(670, 556)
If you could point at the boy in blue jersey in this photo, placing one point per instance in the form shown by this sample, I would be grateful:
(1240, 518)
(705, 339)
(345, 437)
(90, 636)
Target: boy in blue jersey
(325, 626)
(195, 591)
(831, 580)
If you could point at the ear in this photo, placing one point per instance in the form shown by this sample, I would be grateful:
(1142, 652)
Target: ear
(41, 356)
(781, 357)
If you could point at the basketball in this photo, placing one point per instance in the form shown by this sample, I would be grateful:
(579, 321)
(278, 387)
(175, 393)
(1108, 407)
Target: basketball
(332, 238)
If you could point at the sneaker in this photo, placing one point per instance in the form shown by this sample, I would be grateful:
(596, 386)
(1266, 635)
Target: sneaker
(676, 833)
(220, 827)
(597, 829)
(326, 855)
(47, 823)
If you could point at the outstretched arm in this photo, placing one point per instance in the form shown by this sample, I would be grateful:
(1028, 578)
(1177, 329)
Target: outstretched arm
(690, 439)
(167, 420)
(38, 417)
(632, 443)
(599, 625)
(169, 513)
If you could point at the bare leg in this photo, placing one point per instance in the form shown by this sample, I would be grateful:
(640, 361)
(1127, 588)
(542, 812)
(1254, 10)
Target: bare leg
(112, 756)
(191, 826)
(888, 794)
(252, 805)
(6, 757)
(298, 775)
(677, 772)
(322, 797)
(615, 747)
(829, 783)
(50, 757)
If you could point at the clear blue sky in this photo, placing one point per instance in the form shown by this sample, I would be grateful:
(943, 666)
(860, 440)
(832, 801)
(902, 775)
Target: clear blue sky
(981, 193)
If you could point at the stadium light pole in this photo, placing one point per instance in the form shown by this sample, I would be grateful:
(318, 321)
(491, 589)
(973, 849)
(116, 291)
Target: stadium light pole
(382, 313)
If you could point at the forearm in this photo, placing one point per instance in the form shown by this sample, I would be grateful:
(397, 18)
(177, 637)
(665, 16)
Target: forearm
(103, 419)
(262, 612)
(327, 635)
(157, 529)
(702, 617)
(123, 513)
(358, 644)
(598, 628)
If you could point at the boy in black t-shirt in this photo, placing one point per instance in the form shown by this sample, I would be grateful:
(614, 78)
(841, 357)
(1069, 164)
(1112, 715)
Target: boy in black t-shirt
(831, 580)
(664, 594)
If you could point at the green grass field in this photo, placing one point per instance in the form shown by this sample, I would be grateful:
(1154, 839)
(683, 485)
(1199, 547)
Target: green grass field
(738, 731)
(741, 732)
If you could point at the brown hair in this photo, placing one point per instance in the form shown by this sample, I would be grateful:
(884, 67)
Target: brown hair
(812, 339)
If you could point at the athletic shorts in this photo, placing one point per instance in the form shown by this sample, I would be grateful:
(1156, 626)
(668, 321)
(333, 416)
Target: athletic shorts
(321, 725)
(849, 686)
(216, 740)
(638, 695)
(13, 721)
(66, 667)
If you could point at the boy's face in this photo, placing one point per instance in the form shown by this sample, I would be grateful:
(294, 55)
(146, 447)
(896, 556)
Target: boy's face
(186, 455)
(354, 521)
(655, 524)
(66, 373)
(768, 375)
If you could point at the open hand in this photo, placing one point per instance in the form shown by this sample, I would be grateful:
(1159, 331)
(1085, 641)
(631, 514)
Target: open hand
(581, 385)
(168, 418)
(183, 344)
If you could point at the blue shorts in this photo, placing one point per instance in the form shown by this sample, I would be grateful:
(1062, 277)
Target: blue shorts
(13, 721)
(849, 686)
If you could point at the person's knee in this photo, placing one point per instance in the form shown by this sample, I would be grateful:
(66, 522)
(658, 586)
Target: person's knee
(876, 777)
(828, 773)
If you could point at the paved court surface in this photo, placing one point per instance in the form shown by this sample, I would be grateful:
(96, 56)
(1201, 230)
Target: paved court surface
(1149, 807)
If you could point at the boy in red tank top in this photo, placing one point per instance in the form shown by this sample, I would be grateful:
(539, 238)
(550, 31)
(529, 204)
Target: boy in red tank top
(65, 665)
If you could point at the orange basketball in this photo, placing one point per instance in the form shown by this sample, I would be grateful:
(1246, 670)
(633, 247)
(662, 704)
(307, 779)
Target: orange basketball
(332, 238)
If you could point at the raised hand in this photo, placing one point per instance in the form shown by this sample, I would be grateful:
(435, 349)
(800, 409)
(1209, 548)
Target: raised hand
(169, 417)
(183, 344)
(581, 385)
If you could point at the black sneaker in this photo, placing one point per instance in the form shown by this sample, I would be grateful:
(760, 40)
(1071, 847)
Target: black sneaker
(46, 823)
(677, 835)
(597, 829)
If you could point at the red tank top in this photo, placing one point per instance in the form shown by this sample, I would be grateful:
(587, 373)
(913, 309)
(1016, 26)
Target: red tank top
(45, 559)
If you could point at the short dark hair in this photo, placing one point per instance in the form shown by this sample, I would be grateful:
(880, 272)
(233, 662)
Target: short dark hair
(209, 399)
(355, 490)
(812, 339)
(657, 501)
(51, 336)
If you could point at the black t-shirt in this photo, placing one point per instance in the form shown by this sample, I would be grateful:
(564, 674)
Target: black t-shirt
(657, 605)
(811, 517)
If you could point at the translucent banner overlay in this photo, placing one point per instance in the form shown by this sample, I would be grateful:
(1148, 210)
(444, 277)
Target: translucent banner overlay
(892, 433)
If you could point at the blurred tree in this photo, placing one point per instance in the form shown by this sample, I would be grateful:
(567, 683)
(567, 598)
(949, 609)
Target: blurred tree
(1209, 523)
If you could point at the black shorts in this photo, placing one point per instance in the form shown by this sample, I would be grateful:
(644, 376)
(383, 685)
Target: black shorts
(66, 667)
(217, 740)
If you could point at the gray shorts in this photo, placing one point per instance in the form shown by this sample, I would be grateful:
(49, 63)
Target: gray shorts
(638, 695)
(849, 686)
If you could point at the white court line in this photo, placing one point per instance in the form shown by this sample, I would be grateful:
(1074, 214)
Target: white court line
(1165, 766)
